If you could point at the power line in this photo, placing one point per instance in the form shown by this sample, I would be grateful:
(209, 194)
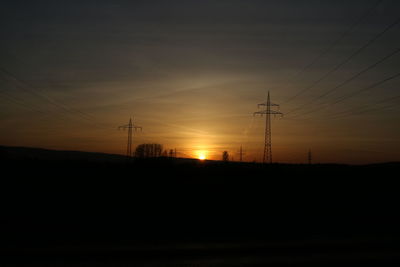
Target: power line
(343, 98)
(352, 94)
(365, 111)
(361, 110)
(333, 44)
(22, 103)
(26, 105)
(30, 89)
(362, 72)
(33, 91)
(379, 102)
(18, 102)
(346, 82)
(30, 107)
(338, 66)
(365, 108)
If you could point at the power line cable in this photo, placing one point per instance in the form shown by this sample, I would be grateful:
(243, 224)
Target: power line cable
(365, 110)
(353, 94)
(18, 102)
(393, 53)
(349, 30)
(343, 98)
(357, 109)
(338, 66)
(31, 90)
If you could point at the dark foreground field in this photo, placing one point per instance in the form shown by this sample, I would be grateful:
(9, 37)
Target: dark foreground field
(62, 209)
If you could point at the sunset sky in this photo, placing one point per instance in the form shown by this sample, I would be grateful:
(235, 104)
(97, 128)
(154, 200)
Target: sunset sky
(191, 73)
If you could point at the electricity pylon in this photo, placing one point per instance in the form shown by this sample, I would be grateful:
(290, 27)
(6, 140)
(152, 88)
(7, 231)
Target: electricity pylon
(130, 126)
(267, 140)
(241, 153)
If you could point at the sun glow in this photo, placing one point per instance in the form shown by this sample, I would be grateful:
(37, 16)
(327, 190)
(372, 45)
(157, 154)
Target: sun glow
(201, 156)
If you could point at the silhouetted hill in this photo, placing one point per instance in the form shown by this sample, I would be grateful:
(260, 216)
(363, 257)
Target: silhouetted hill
(28, 153)
(31, 153)
(57, 205)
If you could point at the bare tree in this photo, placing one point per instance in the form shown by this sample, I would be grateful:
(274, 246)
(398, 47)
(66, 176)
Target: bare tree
(148, 150)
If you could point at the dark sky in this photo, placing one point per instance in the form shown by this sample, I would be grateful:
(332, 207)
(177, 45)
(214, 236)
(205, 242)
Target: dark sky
(192, 73)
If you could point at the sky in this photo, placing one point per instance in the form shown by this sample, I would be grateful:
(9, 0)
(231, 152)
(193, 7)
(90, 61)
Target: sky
(191, 74)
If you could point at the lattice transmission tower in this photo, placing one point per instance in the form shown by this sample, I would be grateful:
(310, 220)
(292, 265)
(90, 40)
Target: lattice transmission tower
(267, 139)
(241, 153)
(130, 126)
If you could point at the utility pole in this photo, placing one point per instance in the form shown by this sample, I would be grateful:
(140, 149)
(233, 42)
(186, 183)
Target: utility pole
(241, 153)
(267, 139)
(309, 157)
(130, 126)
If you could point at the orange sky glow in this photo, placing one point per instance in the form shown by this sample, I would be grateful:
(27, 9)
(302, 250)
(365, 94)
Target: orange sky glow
(192, 73)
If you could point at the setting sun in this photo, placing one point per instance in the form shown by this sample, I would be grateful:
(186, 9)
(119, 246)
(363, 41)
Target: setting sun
(202, 156)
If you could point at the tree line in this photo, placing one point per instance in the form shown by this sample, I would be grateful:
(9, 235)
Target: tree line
(156, 150)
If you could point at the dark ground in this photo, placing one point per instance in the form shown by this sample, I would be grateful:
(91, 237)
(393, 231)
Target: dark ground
(73, 208)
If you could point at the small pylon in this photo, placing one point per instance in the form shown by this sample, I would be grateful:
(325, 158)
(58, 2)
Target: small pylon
(130, 126)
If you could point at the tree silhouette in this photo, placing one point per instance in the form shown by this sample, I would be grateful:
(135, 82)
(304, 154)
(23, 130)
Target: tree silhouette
(225, 156)
(148, 150)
